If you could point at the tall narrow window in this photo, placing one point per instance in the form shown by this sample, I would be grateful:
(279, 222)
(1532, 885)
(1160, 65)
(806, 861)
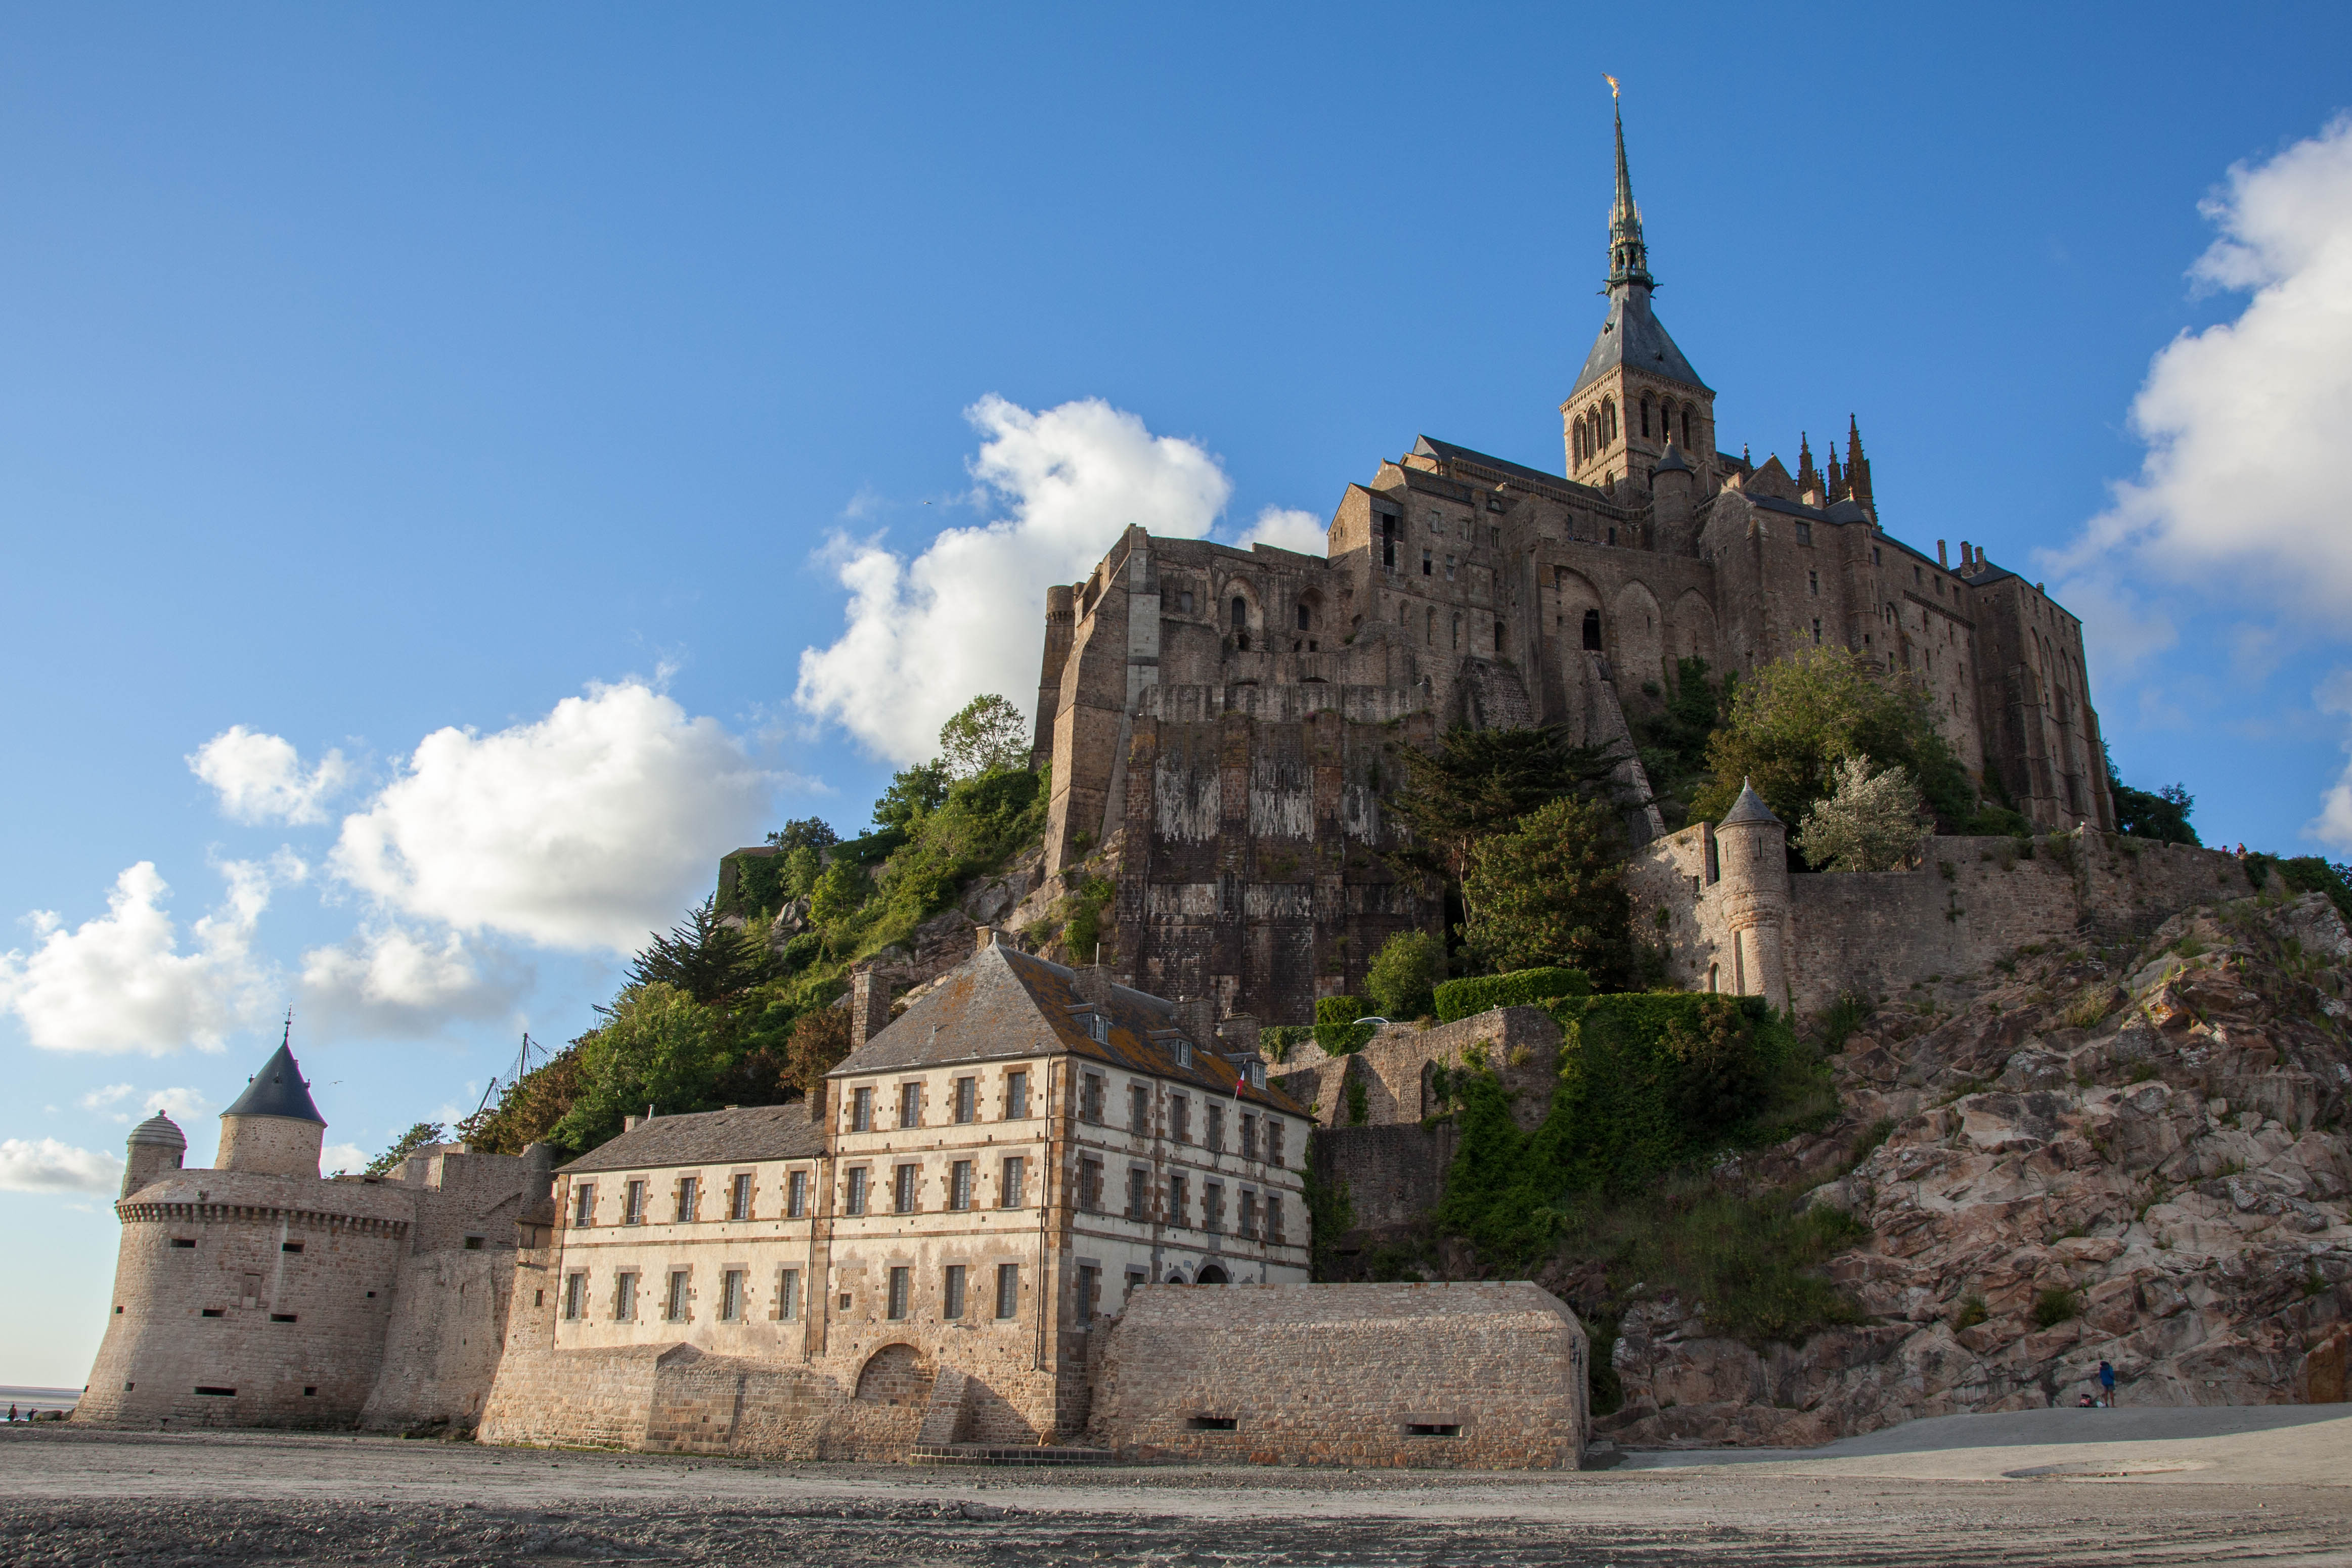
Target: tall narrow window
(911, 1104)
(739, 1201)
(1213, 1138)
(1274, 1217)
(1178, 1210)
(797, 1196)
(967, 1100)
(1302, 618)
(1249, 1214)
(625, 1298)
(902, 1189)
(1249, 1136)
(1645, 416)
(1429, 631)
(1425, 567)
(1008, 1291)
(952, 1293)
(1498, 636)
(1090, 1293)
(677, 1295)
(787, 1294)
(1091, 1098)
(897, 1307)
(1139, 1109)
(1139, 1193)
(1274, 1125)
(1388, 542)
(1592, 631)
(1180, 1118)
(1016, 1095)
(583, 1203)
(960, 1185)
(1449, 569)
(1457, 627)
(575, 1293)
(861, 1109)
(1212, 1207)
(633, 1207)
(731, 1296)
(1813, 583)
(1090, 1180)
(690, 1197)
(1687, 426)
(855, 1201)
(1008, 1184)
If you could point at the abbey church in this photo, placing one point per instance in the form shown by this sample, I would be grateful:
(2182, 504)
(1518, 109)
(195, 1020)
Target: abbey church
(1222, 723)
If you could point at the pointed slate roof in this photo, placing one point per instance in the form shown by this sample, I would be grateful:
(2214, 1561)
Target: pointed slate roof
(277, 1090)
(1749, 808)
(1633, 336)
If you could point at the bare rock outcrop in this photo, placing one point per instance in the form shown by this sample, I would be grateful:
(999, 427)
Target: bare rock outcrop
(2140, 1155)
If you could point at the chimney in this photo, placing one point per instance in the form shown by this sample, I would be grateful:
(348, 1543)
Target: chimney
(817, 1100)
(1198, 1019)
(1092, 982)
(629, 1123)
(869, 1007)
(1939, 555)
(1238, 1034)
(984, 937)
(1966, 564)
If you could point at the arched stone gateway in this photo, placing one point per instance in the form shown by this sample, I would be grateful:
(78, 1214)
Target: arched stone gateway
(896, 1375)
(1211, 1274)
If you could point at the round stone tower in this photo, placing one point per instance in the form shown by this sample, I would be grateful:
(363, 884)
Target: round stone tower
(156, 1148)
(1752, 852)
(273, 1128)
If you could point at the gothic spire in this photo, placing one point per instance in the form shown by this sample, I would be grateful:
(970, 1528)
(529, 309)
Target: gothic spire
(1806, 478)
(1857, 467)
(1629, 260)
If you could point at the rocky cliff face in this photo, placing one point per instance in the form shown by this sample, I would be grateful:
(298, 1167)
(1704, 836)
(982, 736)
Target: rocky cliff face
(2140, 1155)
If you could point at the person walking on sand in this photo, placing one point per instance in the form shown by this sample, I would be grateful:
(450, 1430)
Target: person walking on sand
(2107, 1383)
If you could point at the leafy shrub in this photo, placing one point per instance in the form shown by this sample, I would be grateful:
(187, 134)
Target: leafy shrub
(1403, 973)
(1082, 929)
(2306, 874)
(2056, 1306)
(1342, 1009)
(1277, 1039)
(1552, 890)
(1344, 1039)
(1358, 1112)
(1972, 1312)
(1842, 1016)
(1520, 988)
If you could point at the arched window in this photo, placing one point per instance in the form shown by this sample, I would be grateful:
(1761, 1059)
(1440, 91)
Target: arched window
(1646, 413)
(1429, 632)
(1457, 631)
(1241, 613)
(1593, 629)
(1687, 434)
(1498, 648)
(1302, 618)
(1609, 418)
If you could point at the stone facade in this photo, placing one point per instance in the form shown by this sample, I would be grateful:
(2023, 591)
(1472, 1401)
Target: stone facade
(1479, 1376)
(1222, 723)
(257, 1294)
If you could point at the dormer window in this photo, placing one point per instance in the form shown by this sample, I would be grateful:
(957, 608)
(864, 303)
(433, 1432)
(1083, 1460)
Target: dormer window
(1098, 1027)
(1184, 1053)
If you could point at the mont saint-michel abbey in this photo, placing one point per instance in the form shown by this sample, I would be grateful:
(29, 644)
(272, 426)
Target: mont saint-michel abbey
(1225, 718)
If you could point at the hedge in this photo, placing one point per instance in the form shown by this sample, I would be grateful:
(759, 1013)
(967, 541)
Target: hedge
(1344, 1010)
(1519, 989)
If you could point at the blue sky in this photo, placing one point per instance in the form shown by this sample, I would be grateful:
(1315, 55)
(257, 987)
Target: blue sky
(542, 381)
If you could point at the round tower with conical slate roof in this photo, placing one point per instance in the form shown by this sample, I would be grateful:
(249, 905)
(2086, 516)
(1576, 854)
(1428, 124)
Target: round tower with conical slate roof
(273, 1128)
(155, 1148)
(1752, 852)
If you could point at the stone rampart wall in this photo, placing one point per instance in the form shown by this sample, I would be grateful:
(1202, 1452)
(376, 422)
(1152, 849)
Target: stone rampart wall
(1477, 1375)
(1520, 1045)
(1391, 1175)
(448, 1326)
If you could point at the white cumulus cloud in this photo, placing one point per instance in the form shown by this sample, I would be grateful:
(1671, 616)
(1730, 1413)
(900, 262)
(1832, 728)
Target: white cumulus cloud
(583, 830)
(967, 615)
(2246, 422)
(2333, 826)
(44, 1164)
(344, 1159)
(260, 778)
(121, 981)
(1287, 527)
(388, 979)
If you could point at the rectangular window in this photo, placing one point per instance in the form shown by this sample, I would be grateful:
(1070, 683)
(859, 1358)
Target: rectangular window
(861, 1110)
(1090, 1293)
(1090, 1185)
(625, 1299)
(689, 1196)
(731, 1296)
(1139, 1193)
(1177, 1207)
(960, 1185)
(1274, 1140)
(1008, 1291)
(897, 1303)
(911, 1104)
(1016, 1095)
(738, 1200)
(1816, 632)
(1249, 1214)
(856, 1198)
(1180, 1118)
(1274, 1217)
(575, 1293)
(1424, 563)
(1804, 533)
(1449, 569)
(902, 1189)
(1249, 1136)
(1091, 1098)
(952, 1293)
(633, 1209)
(788, 1295)
(1139, 1109)
(796, 1194)
(1008, 1185)
(583, 1203)
(1388, 542)
(1813, 583)
(967, 1099)
(1874, 555)
(677, 1303)
(1213, 1139)
(1212, 1205)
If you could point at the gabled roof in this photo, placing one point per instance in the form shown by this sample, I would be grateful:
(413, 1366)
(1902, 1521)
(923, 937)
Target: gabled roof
(277, 1090)
(1005, 1003)
(742, 1137)
(1633, 336)
(1446, 452)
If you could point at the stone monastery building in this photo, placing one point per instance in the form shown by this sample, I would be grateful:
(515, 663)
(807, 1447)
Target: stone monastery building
(1227, 719)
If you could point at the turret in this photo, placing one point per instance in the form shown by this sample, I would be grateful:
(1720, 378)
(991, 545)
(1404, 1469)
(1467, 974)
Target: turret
(273, 1128)
(155, 1148)
(1753, 856)
(1672, 491)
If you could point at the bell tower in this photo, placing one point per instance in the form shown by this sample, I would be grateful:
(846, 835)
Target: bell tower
(1637, 396)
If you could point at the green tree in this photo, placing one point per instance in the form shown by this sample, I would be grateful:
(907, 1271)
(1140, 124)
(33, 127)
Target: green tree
(1672, 738)
(1553, 892)
(1478, 782)
(803, 866)
(804, 833)
(1797, 719)
(659, 1046)
(2161, 814)
(1870, 822)
(423, 1135)
(838, 894)
(705, 957)
(988, 737)
(1404, 973)
(820, 1043)
(914, 792)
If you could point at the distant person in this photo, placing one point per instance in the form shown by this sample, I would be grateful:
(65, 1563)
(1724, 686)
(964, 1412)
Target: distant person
(2086, 1403)
(2107, 1383)
(12, 1415)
